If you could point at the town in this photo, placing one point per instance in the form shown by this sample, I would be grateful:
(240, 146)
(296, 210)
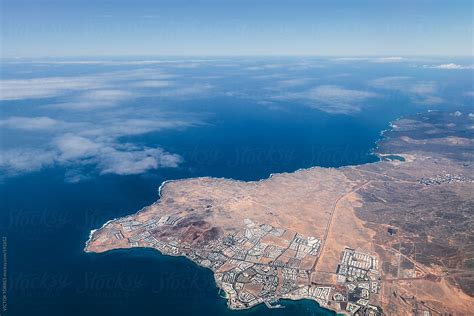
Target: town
(446, 178)
(263, 264)
(358, 272)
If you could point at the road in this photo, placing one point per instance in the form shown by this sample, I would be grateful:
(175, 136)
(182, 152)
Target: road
(331, 221)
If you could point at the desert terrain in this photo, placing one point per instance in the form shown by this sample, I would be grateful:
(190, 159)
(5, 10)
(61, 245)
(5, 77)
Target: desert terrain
(392, 237)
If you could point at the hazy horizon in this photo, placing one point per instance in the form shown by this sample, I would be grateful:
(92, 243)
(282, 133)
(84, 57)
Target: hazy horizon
(239, 28)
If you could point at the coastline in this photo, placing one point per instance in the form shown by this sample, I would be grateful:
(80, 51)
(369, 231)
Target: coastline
(372, 152)
(226, 295)
(162, 187)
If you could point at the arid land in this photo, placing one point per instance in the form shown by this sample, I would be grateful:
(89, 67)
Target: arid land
(392, 237)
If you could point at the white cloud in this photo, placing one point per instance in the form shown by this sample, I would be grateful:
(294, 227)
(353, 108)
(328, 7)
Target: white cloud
(112, 157)
(94, 99)
(430, 100)
(423, 88)
(185, 91)
(100, 91)
(423, 92)
(186, 65)
(269, 76)
(18, 89)
(331, 99)
(77, 144)
(293, 82)
(94, 138)
(108, 156)
(135, 126)
(296, 65)
(20, 160)
(102, 87)
(72, 147)
(136, 161)
(30, 123)
(391, 82)
(389, 59)
(106, 95)
(75, 151)
(152, 84)
(337, 94)
(450, 66)
(350, 59)
(75, 176)
(264, 67)
(116, 62)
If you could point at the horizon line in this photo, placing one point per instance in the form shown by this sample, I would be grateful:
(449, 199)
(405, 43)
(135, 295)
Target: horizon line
(241, 55)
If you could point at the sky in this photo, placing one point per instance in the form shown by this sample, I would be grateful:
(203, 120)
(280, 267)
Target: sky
(42, 28)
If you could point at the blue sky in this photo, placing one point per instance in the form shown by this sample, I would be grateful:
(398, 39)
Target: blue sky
(38, 28)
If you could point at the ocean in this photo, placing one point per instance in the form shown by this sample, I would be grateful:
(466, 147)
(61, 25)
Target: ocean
(47, 211)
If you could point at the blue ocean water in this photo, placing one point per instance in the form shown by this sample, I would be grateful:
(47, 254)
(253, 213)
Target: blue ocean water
(247, 120)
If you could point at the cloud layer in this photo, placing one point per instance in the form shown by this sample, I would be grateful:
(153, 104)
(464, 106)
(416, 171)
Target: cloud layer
(331, 98)
(85, 144)
(81, 119)
(30, 123)
(85, 122)
(99, 90)
(378, 60)
(422, 92)
(450, 66)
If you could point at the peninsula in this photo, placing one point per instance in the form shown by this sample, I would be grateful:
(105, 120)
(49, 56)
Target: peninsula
(391, 237)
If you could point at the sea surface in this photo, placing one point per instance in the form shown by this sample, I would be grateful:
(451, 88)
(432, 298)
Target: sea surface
(242, 127)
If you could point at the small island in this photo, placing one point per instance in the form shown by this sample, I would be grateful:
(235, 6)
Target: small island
(390, 237)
